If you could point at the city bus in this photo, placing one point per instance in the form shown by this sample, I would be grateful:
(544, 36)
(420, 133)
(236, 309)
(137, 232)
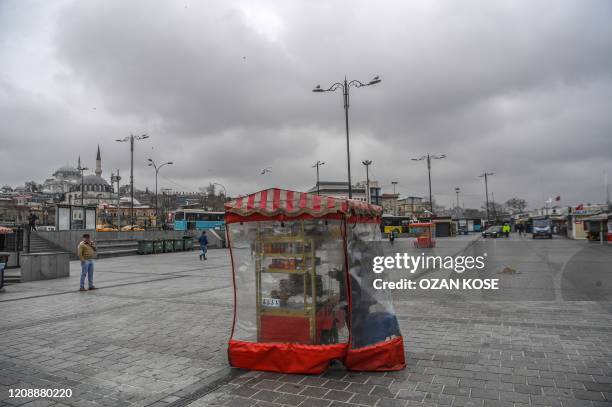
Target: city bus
(390, 223)
(198, 219)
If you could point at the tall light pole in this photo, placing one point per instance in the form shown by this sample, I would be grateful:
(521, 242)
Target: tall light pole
(367, 164)
(222, 186)
(81, 168)
(131, 139)
(430, 157)
(457, 190)
(117, 178)
(317, 165)
(394, 197)
(486, 175)
(345, 96)
(157, 168)
(224, 191)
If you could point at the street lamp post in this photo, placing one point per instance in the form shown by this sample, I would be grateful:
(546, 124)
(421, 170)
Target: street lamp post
(486, 175)
(81, 168)
(224, 191)
(222, 186)
(367, 164)
(131, 139)
(395, 198)
(157, 168)
(430, 157)
(457, 190)
(117, 178)
(317, 165)
(345, 96)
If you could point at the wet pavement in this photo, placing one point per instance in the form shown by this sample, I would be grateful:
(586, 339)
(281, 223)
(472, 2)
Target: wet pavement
(155, 333)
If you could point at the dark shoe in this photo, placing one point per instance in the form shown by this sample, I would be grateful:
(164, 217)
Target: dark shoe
(92, 288)
(205, 258)
(82, 289)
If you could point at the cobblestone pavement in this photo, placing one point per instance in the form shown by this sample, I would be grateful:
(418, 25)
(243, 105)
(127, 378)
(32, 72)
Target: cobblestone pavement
(155, 333)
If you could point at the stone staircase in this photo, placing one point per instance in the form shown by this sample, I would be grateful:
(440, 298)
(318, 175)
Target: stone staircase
(115, 248)
(106, 247)
(41, 245)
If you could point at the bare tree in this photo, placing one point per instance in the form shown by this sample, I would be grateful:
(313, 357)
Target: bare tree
(516, 205)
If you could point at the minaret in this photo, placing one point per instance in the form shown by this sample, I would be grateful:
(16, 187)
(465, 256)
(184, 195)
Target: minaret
(98, 163)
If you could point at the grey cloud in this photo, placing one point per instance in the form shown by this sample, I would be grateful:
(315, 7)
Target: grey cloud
(224, 88)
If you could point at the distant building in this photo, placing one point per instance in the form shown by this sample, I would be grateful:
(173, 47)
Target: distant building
(375, 195)
(414, 206)
(390, 204)
(339, 189)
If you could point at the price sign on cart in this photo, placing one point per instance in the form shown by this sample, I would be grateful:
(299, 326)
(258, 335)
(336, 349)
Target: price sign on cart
(270, 302)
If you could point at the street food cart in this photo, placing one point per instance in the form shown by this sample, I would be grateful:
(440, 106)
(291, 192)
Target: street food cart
(424, 234)
(303, 292)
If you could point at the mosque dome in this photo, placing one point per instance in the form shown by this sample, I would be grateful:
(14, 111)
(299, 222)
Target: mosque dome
(66, 171)
(92, 183)
(94, 180)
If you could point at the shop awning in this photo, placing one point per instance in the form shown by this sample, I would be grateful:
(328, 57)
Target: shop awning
(274, 201)
(597, 218)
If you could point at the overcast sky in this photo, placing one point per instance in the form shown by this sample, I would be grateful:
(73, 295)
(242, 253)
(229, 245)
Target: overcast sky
(224, 88)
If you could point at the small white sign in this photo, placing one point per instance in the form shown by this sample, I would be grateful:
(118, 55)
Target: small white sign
(270, 302)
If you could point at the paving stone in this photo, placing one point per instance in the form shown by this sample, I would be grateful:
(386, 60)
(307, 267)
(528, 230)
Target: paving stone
(265, 395)
(312, 402)
(588, 395)
(527, 389)
(169, 341)
(388, 402)
(364, 399)
(312, 391)
(484, 394)
(338, 395)
(290, 399)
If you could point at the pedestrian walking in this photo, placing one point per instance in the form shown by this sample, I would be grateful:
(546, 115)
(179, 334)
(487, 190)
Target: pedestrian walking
(392, 236)
(32, 221)
(519, 228)
(87, 252)
(203, 245)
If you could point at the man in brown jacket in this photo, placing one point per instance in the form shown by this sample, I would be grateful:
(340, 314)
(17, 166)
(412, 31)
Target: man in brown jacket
(87, 252)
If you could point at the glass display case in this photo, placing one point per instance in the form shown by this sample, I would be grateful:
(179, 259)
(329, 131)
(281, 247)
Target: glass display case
(303, 294)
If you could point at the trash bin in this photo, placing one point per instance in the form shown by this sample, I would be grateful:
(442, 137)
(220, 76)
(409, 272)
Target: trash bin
(179, 245)
(168, 246)
(188, 242)
(4, 256)
(145, 246)
(158, 246)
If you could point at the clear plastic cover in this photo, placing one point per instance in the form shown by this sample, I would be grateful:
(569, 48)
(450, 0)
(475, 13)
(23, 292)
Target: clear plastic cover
(290, 282)
(373, 315)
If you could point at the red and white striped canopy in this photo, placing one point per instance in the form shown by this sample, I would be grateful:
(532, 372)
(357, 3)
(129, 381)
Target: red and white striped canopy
(274, 201)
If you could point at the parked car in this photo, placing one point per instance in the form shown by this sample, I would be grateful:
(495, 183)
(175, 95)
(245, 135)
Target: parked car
(492, 231)
(542, 228)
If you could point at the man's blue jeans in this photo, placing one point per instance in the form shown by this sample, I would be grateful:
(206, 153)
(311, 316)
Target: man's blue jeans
(87, 268)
